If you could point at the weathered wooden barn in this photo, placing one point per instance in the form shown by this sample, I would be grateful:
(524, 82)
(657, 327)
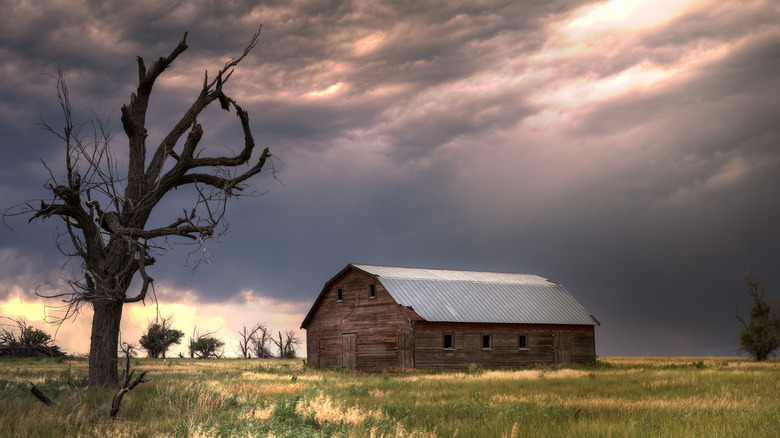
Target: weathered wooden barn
(374, 318)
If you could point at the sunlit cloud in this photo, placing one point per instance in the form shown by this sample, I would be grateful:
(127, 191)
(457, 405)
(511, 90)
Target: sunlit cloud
(17, 307)
(623, 15)
(330, 90)
(582, 91)
(601, 48)
(368, 43)
(598, 29)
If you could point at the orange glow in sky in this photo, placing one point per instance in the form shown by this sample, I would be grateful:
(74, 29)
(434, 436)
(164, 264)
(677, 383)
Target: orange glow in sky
(224, 319)
(30, 311)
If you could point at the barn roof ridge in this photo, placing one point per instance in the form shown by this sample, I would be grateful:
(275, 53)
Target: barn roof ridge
(454, 275)
(479, 296)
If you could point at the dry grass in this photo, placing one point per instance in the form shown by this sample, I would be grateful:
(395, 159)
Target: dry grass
(190, 398)
(325, 409)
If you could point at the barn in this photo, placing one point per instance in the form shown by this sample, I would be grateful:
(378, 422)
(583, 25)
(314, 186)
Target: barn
(375, 318)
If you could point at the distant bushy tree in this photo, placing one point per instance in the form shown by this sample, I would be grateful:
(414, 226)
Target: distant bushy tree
(760, 336)
(205, 346)
(160, 337)
(18, 339)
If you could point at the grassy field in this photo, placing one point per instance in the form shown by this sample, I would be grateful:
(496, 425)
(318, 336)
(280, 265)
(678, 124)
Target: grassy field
(620, 397)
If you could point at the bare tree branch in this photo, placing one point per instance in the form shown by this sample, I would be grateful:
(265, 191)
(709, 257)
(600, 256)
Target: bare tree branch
(127, 385)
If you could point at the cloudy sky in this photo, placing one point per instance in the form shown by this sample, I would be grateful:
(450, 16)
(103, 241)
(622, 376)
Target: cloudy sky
(629, 150)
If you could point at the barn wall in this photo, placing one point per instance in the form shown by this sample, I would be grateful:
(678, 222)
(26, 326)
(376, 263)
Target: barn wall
(504, 351)
(375, 322)
(583, 344)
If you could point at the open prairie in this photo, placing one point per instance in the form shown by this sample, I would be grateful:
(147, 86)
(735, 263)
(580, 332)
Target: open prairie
(620, 397)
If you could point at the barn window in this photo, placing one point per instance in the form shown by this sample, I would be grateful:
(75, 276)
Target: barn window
(372, 291)
(522, 342)
(487, 342)
(339, 294)
(449, 341)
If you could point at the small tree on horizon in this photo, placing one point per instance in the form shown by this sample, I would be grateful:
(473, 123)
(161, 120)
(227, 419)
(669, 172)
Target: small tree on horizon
(760, 335)
(248, 337)
(19, 339)
(286, 344)
(260, 343)
(205, 346)
(160, 337)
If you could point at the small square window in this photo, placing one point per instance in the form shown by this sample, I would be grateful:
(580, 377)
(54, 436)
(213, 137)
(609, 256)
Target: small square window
(449, 341)
(372, 291)
(522, 342)
(487, 342)
(339, 294)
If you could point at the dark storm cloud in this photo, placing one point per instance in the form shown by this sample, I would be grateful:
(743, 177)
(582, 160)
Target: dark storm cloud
(634, 163)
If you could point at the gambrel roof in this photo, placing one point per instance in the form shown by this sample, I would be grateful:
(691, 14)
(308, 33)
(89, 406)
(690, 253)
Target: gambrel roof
(445, 295)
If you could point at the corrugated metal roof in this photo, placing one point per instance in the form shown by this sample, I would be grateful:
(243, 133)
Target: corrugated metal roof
(483, 297)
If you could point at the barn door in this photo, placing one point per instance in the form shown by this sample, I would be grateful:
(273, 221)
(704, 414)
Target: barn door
(404, 349)
(349, 350)
(563, 349)
(313, 351)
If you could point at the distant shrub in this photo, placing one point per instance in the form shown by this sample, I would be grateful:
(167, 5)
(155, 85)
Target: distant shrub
(205, 347)
(676, 366)
(593, 363)
(21, 340)
(160, 337)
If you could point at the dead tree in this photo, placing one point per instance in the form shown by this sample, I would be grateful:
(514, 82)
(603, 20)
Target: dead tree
(105, 210)
(40, 395)
(127, 383)
(245, 343)
(287, 344)
(261, 343)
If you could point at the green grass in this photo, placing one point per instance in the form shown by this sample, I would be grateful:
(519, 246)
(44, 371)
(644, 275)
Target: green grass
(620, 397)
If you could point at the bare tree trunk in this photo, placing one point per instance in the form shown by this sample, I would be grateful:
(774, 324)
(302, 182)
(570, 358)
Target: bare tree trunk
(104, 344)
